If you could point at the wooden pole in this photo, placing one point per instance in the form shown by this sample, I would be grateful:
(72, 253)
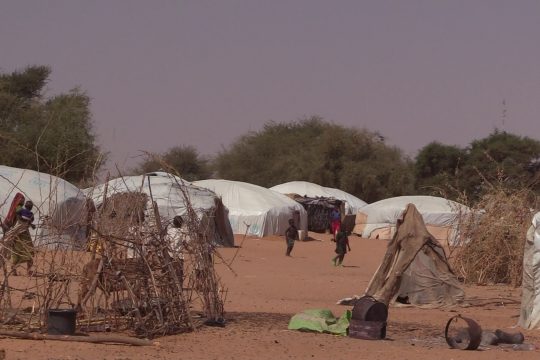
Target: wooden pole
(94, 284)
(96, 339)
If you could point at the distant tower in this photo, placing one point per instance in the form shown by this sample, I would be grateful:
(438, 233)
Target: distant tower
(504, 115)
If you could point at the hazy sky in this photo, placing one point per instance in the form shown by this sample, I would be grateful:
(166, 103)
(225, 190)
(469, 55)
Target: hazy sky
(202, 73)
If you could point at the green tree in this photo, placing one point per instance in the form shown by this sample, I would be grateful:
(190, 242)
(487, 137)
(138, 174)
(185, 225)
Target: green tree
(356, 161)
(501, 157)
(52, 135)
(504, 159)
(185, 160)
(436, 167)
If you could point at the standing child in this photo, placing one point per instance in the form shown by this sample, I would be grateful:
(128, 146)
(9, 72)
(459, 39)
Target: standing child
(291, 234)
(342, 244)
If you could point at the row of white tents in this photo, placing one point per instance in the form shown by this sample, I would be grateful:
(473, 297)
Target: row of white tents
(248, 209)
(378, 220)
(241, 208)
(59, 205)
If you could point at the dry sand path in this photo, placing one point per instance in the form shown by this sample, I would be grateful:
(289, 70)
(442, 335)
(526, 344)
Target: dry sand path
(267, 288)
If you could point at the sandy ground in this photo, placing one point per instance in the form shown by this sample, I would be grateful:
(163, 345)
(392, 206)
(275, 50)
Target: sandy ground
(265, 288)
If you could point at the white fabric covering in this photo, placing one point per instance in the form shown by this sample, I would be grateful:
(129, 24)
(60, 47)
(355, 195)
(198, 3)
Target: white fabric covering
(265, 211)
(530, 301)
(383, 214)
(304, 188)
(167, 191)
(44, 190)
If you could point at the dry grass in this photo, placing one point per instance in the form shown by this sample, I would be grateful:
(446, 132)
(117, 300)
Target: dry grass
(490, 250)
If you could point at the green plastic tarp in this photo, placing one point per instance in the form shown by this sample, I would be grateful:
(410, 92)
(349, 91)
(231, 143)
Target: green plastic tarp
(322, 321)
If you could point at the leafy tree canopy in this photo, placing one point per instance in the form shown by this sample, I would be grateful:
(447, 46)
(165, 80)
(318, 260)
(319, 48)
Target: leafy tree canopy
(356, 161)
(52, 135)
(501, 157)
(185, 160)
(436, 165)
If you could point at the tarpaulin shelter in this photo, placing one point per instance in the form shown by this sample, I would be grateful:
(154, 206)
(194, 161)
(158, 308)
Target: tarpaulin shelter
(441, 216)
(256, 209)
(318, 211)
(414, 268)
(530, 296)
(58, 204)
(311, 190)
(171, 194)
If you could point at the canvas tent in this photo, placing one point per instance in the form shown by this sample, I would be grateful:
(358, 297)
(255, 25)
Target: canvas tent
(414, 268)
(57, 204)
(255, 209)
(307, 189)
(530, 296)
(441, 216)
(170, 193)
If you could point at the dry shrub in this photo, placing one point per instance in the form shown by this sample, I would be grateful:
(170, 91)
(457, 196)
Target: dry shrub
(490, 250)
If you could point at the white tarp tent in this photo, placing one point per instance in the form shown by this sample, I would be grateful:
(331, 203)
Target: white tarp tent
(304, 188)
(169, 192)
(47, 192)
(265, 211)
(441, 216)
(530, 296)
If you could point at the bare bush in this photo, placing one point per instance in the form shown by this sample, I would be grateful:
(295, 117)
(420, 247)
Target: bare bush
(490, 249)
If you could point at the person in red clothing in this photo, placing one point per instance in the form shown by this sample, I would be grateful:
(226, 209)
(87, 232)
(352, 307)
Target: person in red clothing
(16, 204)
(335, 221)
(23, 247)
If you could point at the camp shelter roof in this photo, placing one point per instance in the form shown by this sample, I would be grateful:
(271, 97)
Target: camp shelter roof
(308, 189)
(46, 191)
(265, 211)
(169, 192)
(436, 211)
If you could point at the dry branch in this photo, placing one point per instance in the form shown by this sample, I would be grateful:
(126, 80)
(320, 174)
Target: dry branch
(141, 284)
(95, 339)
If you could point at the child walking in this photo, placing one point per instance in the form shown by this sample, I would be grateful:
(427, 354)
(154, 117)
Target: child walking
(291, 234)
(342, 244)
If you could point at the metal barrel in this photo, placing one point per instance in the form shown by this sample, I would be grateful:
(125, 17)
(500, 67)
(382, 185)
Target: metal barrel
(368, 309)
(367, 330)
